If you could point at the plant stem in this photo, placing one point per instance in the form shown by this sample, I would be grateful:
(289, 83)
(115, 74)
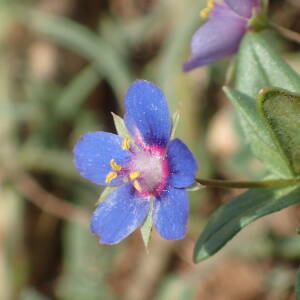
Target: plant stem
(287, 33)
(248, 184)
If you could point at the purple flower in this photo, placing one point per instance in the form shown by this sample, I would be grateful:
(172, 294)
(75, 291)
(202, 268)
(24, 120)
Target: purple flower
(147, 167)
(221, 35)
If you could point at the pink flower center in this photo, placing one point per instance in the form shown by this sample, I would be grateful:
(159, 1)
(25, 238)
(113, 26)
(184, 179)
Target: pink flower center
(150, 170)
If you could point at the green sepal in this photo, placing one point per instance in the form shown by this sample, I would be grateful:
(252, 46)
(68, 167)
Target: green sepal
(194, 187)
(280, 110)
(120, 126)
(107, 190)
(146, 228)
(258, 22)
(257, 133)
(175, 122)
(232, 216)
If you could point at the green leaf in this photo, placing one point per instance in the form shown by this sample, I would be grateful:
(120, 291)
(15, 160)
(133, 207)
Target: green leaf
(146, 228)
(259, 66)
(297, 286)
(280, 110)
(120, 126)
(107, 190)
(231, 217)
(257, 134)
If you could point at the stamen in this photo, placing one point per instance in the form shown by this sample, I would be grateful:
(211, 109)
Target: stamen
(110, 176)
(137, 186)
(204, 13)
(134, 175)
(126, 144)
(125, 179)
(115, 166)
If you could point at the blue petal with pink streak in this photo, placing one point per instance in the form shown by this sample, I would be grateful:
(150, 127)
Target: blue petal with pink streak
(182, 164)
(147, 114)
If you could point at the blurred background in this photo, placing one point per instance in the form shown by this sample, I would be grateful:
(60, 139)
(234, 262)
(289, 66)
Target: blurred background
(64, 66)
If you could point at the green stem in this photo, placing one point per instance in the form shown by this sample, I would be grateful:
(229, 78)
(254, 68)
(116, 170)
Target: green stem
(287, 33)
(248, 184)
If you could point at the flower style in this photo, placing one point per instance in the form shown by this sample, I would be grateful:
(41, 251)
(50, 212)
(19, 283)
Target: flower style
(221, 35)
(148, 167)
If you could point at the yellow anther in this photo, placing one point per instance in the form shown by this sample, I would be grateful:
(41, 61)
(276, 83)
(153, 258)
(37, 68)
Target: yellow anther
(126, 144)
(125, 179)
(110, 176)
(204, 13)
(134, 175)
(137, 186)
(210, 4)
(115, 166)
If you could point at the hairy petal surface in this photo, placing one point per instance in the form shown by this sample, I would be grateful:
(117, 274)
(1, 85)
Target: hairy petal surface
(119, 215)
(182, 164)
(147, 114)
(93, 153)
(243, 8)
(171, 213)
(219, 37)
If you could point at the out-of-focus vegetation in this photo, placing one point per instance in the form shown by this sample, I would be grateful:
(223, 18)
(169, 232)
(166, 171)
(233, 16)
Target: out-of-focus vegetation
(64, 66)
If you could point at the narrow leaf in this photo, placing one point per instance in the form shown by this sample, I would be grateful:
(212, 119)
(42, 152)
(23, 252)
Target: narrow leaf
(297, 287)
(280, 110)
(75, 93)
(72, 35)
(231, 217)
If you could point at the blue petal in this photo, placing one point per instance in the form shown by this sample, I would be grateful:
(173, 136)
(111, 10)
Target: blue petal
(219, 37)
(93, 153)
(182, 164)
(171, 213)
(147, 114)
(243, 8)
(119, 215)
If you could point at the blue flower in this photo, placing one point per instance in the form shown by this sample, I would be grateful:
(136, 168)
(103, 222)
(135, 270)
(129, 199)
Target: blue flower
(148, 167)
(221, 35)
